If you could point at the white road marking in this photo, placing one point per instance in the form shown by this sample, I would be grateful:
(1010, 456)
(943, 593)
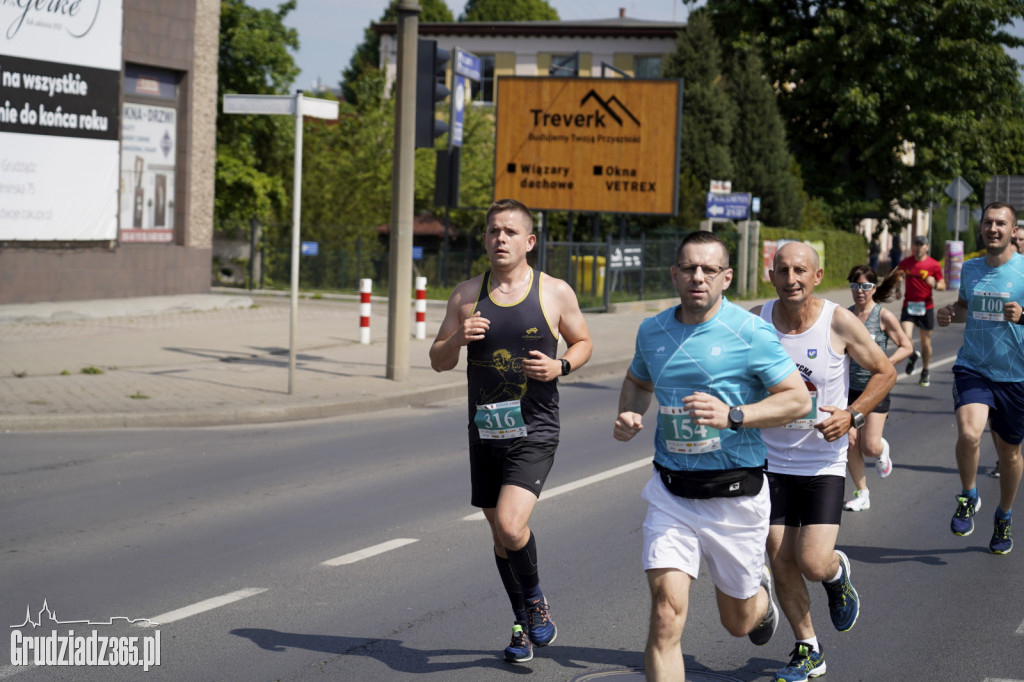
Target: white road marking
(1020, 630)
(569, 487)
(205, 605)
(369, 552)
(999, 679)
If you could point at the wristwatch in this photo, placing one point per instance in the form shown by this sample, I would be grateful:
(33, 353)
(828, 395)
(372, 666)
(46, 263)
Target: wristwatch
(566, 367)
(735, 417)
(858, 418)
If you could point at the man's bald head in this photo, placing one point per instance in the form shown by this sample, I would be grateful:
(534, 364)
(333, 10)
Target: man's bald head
(797, 250)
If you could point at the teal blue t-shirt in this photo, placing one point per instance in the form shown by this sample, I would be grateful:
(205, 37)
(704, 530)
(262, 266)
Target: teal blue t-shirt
(992, 346)
(735, 356)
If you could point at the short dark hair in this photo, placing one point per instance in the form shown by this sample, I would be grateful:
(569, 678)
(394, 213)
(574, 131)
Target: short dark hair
(703, 237)
(1000, 204)
(503, 205)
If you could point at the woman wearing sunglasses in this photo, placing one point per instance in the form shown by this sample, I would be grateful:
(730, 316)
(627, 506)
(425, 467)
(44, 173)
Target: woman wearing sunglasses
(884, 327)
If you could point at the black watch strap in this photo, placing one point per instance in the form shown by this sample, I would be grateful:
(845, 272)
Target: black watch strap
(566, 367)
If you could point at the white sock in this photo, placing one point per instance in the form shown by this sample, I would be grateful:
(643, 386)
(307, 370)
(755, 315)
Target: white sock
(839, 573)
(811, 642)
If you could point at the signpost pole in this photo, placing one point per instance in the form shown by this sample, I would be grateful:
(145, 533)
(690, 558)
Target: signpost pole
(296, 241)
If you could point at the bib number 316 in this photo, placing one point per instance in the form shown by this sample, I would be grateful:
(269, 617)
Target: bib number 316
(498, 421)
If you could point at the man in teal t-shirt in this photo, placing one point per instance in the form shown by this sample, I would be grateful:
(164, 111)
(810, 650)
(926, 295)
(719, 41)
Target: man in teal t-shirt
(989, 371)
(720, 375)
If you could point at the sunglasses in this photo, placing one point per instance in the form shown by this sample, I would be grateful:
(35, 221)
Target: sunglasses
(863, 286)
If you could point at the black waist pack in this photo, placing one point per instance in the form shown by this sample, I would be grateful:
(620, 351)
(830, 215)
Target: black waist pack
(704, 485)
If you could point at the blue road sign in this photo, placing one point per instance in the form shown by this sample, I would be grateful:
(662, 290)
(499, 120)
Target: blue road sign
(310, 248)
(417, 253)
(459, 94)
(467, 64)
(735, 206)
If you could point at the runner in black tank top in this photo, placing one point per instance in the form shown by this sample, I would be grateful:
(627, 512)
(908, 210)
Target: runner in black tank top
(494, 363)
(510, 320)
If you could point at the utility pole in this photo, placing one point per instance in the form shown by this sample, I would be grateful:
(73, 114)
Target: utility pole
(402, 193)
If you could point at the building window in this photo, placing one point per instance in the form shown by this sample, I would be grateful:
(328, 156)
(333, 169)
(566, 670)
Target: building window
(565, 65)
(647, 67)
(483, 92)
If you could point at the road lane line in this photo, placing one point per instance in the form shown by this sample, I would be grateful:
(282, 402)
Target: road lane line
(1020, 630)
(369, 552)
(200, 607)
(569, 487)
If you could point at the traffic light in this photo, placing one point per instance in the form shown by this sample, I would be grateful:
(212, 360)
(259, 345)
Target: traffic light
(430, 90)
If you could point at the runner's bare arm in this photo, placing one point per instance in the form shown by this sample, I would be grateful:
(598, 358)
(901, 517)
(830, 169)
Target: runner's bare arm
(850, 335)
(786, 401)
(560, 303)
(955, 312)
(891, 327)
(634, 399)
(458, 328)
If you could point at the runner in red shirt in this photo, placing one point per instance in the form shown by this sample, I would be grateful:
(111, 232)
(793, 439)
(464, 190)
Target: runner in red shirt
(922, 273)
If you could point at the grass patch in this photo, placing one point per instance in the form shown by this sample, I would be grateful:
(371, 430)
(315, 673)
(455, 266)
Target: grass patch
(91, 370)
(139, 395)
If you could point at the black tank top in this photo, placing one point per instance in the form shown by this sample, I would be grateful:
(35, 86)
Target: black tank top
(494, 364)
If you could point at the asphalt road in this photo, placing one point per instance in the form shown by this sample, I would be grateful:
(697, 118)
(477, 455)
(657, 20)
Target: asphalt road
(254, 548)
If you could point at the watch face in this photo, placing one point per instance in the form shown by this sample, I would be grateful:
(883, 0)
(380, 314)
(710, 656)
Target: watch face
(736, 415)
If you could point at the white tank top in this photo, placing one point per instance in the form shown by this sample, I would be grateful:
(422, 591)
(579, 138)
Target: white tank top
(798, 448)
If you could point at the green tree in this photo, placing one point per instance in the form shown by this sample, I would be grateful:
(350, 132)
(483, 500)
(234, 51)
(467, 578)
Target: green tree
(709, 114)
(508, 10)
(366, 58)
(862, 84)
(761, 156)
(251, 150)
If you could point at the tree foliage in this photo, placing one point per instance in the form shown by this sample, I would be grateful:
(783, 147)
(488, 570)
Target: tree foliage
(761, 158)
(862, 84)
(709, 115)
(366, 58)
(508, 10)
(253, 60)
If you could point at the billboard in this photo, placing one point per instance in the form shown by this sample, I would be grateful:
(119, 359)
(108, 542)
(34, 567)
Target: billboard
(59, 120)
(589, 144)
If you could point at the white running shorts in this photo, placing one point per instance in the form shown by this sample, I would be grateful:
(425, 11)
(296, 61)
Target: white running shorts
(729, 533)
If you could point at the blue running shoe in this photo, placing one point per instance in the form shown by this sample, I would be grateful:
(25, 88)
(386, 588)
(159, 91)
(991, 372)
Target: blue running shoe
(843, 602)
(805, 662)
(1002, 537)
(762, 634)
(542, 628)
(963, 520)
(519, 649)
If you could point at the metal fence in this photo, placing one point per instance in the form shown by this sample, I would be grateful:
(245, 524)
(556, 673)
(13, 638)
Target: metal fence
(601, 273)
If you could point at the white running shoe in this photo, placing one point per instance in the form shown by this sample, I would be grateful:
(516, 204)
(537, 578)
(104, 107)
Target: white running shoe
(883, 466)
(861, 501)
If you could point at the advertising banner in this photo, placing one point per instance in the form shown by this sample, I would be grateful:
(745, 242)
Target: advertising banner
(59, 120)
(589, 144)
(954, 262)
(147, 173)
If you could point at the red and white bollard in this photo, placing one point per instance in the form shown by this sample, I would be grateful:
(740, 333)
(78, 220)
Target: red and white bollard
(421, 307)
(365, 287)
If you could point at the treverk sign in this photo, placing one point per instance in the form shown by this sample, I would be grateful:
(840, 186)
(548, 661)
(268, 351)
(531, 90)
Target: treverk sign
(588, 144)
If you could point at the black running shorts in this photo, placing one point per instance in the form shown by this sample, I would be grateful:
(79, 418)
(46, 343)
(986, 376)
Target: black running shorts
(524, 463)
(806, 500)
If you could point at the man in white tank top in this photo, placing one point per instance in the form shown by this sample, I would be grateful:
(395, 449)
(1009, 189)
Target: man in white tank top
(807, 457)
